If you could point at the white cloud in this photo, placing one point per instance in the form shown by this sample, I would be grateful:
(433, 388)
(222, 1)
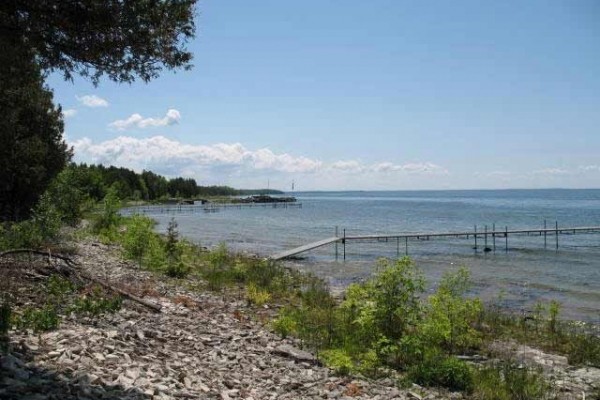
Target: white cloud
(92, 101)
(551, 171)
(589, 168)
(70, 112)
(410, 168)
(136, 120)
(351, 166)
(235, 164)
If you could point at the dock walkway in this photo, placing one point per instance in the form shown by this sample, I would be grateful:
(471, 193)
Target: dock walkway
(485, 234)
(302, 249)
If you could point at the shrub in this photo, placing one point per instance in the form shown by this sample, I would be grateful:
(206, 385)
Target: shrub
(39, 320)
(177, 269)
(96, 302)
(383, 312)
(338, 360)
(137, 237)
(437, 370)
(106, 223)
(510, 381)
(256, 295)
(450, 318)
(59, 286)
(285, 324)
(216, 274)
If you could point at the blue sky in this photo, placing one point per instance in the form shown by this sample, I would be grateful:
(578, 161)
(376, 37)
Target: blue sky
(362, 95)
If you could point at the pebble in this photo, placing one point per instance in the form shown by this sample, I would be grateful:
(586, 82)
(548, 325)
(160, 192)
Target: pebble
(203, 352)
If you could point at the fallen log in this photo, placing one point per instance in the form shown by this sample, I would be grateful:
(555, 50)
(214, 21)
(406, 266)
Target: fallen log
(71, 265)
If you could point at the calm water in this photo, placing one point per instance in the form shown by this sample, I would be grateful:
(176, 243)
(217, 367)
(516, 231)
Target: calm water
(525, 274)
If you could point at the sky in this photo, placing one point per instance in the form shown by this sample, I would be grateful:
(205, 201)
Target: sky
(356, 95)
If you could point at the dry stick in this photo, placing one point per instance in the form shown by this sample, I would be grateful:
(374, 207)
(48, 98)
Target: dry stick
(71, 264)
(149, 304)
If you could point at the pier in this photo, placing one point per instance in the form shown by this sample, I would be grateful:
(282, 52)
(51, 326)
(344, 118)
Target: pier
(486, 239)
(206, 207)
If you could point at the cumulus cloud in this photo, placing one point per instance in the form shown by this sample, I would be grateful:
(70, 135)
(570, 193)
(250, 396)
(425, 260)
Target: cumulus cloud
(92, 101)
(70, 112)
(137, 121)
(161, 151)
(171, 157)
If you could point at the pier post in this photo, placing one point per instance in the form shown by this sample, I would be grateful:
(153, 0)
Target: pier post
(336, 243)
(485, 239)
(506, 238)
(494, 236)
(406, 245)
(475, 236)
(344, 243)
(545, 243)
(398, 247)
(556, 232)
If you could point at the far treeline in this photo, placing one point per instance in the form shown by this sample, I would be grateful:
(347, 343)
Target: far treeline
(95, 180)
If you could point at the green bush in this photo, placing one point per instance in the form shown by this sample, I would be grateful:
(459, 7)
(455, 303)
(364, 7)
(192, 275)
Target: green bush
(107, 221)
(438, 370)
(285, 324)
(38, 319)
(137, 237)
(256, 295)
(58, 287)
(382, 314)
(42, 227)
(338, 360)
(96, 302)
(510, 381)
(450, 319)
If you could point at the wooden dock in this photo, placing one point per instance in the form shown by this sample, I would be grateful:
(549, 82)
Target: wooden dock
(207, 207)
(486, 235)
(306, 247)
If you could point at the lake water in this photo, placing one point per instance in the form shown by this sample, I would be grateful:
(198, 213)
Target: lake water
(521, 276)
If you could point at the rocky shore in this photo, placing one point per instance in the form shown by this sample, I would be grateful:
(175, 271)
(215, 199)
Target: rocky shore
(201, 345)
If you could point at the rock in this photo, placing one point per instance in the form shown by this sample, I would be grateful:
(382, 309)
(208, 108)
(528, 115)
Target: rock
(286, 350)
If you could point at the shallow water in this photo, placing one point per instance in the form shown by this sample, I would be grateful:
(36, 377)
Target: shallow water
(524, 274)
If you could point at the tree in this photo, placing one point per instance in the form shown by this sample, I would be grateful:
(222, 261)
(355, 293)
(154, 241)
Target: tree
(122, 39)
(32, 151)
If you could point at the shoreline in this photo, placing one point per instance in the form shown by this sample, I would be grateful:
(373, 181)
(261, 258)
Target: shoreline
(205, 344)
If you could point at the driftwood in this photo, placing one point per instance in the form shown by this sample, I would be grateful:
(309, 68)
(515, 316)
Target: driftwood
(72, 270)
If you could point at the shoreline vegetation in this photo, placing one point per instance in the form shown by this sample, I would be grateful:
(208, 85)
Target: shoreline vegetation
(383, 328)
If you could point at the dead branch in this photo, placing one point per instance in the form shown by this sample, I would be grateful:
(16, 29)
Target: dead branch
(73, 270)
(67, 260)
(153, 306)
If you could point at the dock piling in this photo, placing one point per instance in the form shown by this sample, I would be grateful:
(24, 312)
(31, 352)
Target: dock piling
(344, 243)
(336, 243)
(485, 246)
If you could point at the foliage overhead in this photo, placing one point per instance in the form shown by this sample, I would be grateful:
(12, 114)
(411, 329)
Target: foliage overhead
(32, 150)
(122, 39)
